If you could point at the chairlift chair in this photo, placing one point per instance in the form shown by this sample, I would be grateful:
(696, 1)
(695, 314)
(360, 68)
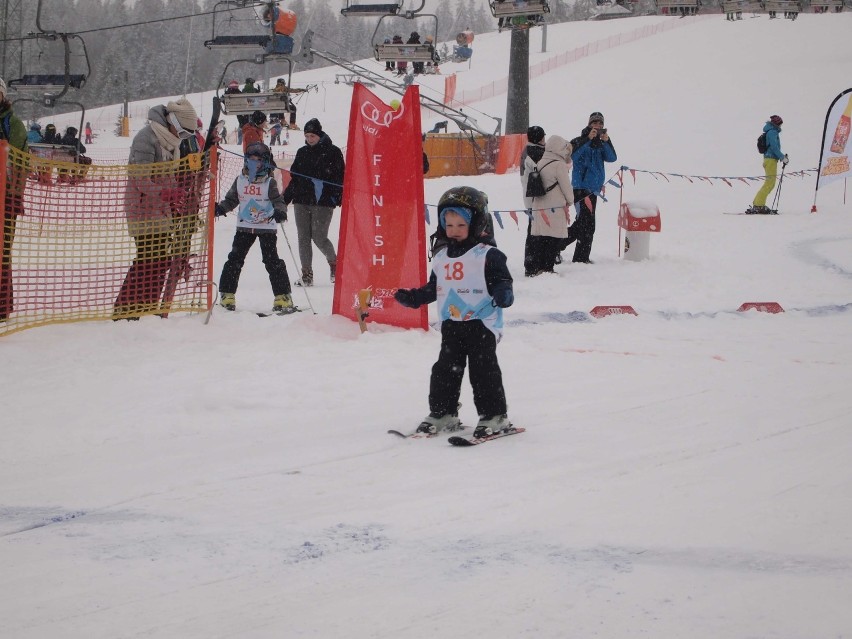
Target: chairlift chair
(52, 86)
(355, 9)
(266, 101)
(405, 52)
(513, 8)
(268, 42)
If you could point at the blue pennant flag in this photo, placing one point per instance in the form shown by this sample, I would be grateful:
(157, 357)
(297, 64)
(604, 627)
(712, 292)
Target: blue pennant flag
(426, 209)
(318, 184)
(499, 220)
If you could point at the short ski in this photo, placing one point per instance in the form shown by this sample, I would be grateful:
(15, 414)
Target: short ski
(419, 435)
(279, 314)
(470, 441)
(773, 212)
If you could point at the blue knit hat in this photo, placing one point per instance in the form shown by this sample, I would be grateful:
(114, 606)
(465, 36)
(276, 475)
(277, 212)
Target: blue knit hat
(465, 213)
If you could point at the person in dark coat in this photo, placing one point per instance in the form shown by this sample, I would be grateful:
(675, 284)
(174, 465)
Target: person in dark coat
(50, 135)
(592, 148)
(316, 187)
(71, 139)
(414, 38)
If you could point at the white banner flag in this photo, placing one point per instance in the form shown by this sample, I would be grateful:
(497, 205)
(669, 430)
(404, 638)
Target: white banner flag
(834, 156)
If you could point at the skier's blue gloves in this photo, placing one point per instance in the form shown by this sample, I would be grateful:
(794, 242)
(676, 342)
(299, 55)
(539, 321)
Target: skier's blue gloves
(280, 215)
(405, 297)
(220, 211)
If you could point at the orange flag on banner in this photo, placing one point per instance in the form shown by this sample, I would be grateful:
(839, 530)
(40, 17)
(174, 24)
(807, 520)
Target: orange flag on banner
(382, 229)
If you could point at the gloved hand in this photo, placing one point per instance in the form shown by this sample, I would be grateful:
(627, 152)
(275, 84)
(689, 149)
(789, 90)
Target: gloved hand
(785, 160)
(503, 297)
(173, 195)
(280, 215)
(220, 211)
(405, 296)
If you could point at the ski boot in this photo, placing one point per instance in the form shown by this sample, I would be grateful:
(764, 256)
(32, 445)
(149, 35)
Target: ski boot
(307, 278)
(283, 304)
(228, 302)
(491, 426)
(434, 423)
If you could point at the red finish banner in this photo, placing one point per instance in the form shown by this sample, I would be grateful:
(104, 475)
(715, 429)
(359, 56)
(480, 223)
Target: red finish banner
(382, 226)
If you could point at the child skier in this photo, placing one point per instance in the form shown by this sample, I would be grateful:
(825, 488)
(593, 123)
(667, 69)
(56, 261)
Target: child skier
(261, 206)
(472, 285)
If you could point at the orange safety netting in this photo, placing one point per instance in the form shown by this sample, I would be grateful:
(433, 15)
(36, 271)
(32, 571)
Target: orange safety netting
(97, 241)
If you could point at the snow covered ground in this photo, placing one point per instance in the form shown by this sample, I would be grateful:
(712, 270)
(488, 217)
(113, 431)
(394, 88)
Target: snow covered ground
(685, 472)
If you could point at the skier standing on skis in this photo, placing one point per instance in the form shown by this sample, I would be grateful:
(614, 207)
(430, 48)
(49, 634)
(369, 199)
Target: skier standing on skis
(771, 156)
(472, 285)
(261, 207)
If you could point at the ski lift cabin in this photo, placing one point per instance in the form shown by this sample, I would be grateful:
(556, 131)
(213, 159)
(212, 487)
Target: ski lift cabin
(359, 10)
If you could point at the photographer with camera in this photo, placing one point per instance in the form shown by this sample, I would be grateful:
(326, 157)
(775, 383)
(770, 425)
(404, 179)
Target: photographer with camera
(592, 148)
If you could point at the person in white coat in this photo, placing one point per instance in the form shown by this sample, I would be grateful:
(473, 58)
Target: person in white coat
(550, 213)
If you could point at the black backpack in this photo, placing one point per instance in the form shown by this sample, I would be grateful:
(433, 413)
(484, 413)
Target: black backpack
(535, 185)
(762, 145)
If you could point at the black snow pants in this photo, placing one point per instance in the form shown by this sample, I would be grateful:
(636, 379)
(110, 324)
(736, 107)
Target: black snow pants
(463, 342)
(583, 228)
(243, 241)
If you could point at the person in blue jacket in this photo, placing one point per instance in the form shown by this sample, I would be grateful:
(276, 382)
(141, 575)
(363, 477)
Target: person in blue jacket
(34, 134)
(592, 148)
(771, 156)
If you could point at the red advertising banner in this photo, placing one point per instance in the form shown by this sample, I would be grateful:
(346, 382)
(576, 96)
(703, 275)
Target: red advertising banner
(382, 226)
(449, 89)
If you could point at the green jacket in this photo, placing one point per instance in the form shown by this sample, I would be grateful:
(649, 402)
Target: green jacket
(17, 132)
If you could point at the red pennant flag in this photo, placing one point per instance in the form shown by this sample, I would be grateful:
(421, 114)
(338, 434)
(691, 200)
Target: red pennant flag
(546, 220)
(514, 216)
(382, 229)
(725, 180)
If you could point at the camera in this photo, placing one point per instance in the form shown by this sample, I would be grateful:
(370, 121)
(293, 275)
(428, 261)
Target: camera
(602, 132)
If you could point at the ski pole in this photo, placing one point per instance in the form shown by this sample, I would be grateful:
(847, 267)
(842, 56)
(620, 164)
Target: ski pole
(777, 199)
(293, 256)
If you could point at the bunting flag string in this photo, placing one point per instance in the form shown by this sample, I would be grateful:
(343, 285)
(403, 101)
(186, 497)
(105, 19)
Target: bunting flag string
(617, 180)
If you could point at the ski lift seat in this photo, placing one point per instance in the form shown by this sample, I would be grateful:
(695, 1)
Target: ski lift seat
(676, 4)
(406, 52)
(511, 8)
(369, 10)
(246, 103)
(48, 83)
(783, 5)
(239, 42)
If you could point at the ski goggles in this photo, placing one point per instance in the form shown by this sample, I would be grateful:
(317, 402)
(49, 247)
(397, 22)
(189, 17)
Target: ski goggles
(182, 133)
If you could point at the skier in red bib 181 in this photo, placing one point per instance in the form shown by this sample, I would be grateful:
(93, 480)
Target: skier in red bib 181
(472, 285)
